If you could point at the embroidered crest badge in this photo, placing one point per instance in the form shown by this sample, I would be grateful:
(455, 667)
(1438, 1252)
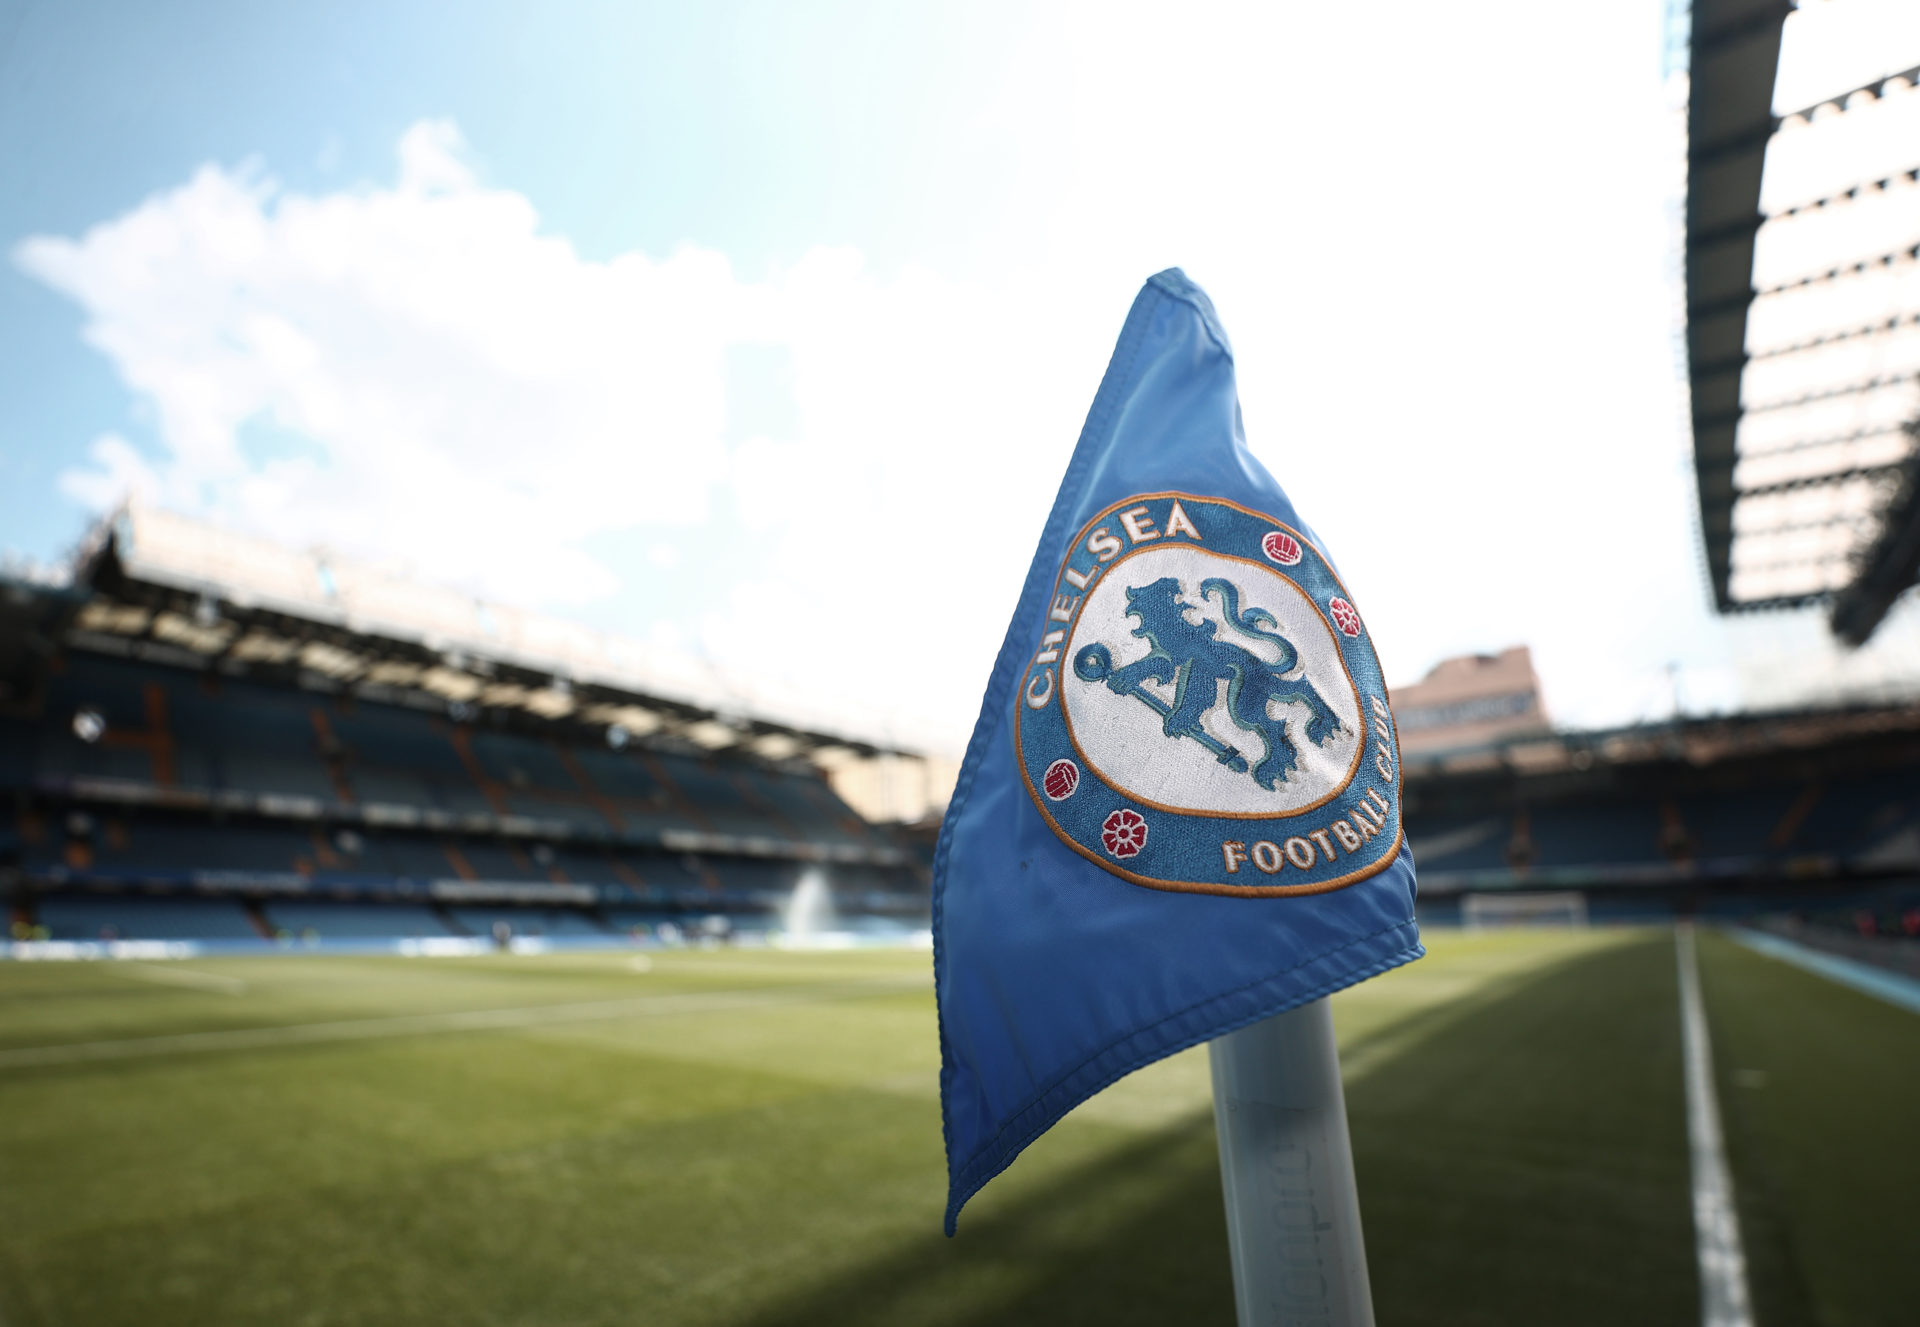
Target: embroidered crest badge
(1203, 709)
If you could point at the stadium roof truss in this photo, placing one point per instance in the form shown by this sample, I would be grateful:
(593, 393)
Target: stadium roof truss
(141, 616)
(1803, 327)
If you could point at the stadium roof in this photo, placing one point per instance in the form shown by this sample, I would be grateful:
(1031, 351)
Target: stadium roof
(1697, 741)
(1803, 323)
(164, 585)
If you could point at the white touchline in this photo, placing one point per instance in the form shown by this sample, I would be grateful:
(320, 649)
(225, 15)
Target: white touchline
(1724, 1300)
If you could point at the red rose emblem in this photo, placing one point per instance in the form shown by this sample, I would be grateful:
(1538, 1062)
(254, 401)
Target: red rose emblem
(1061, 778)
(1124, 834)
(1281, 547)
(1345, 616)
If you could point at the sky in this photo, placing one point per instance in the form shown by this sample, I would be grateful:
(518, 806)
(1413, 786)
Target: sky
(764, 331)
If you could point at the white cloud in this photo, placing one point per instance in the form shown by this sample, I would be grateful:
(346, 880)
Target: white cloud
(119, 472)
(468, 391)
(418, 373)
(1444, 250)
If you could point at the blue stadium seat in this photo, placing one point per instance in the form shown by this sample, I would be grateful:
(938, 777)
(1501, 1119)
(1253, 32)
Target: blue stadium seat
(719, 800)
(808, 805)
(1734, 825)
(620, 776)
(61, 755)
(573, 811)
(1596, 835)
(355, 920)
(373, 783)
(521, 763)
(17, 740)
(1853, 815)
(409, 856)
(497, 861)
(208, 733)
(113, 687)
(1460, 843)
(382, 736)
(557, 923)
(182, 844)
(101, 916)
(589, 867)
(760, 880)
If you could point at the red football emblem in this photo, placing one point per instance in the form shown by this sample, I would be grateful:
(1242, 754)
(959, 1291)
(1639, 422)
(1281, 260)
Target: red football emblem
(1061, 778)
(1344, 615)
(1124, 834)
(1281, 547)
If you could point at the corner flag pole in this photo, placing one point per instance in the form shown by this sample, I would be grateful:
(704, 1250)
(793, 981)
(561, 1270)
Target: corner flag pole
(1286, 1165)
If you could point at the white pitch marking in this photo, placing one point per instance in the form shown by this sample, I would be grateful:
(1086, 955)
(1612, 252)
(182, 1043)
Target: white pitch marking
(412, 1025)
(1724, 1298)
(172, 976)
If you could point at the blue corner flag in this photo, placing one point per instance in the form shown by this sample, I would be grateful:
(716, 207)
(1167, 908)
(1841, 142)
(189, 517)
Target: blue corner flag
(1180, 810)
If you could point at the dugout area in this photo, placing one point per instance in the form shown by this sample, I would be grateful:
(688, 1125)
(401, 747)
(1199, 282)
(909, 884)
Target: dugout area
(752, 1137)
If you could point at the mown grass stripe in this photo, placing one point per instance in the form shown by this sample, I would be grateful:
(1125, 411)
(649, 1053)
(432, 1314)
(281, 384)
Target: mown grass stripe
(465, 1020)
(1523, 1158)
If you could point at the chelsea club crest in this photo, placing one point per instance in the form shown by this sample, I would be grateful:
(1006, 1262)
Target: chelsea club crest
(1203, 710)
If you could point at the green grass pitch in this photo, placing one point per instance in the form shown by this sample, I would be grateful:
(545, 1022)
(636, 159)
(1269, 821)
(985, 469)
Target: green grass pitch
(752, 1137)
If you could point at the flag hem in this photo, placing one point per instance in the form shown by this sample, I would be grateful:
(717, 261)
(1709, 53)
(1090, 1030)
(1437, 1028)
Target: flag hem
(1170, 284)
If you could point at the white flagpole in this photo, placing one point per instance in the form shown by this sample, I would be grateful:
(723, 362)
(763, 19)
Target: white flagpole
(1286, 1165)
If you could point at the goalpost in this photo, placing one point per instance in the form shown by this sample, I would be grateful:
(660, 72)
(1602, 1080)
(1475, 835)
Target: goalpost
(1561, 908)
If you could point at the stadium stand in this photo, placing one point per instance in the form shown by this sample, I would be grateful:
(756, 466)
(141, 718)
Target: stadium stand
(328, 783)
(346, 921)
(186, 760)
(1795, 816)
(92, 917)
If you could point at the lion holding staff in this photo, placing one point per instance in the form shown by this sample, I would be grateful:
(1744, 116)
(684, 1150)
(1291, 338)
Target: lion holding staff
(1191, 658)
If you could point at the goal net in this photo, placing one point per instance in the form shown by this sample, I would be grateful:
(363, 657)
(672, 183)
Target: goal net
(1567, 908)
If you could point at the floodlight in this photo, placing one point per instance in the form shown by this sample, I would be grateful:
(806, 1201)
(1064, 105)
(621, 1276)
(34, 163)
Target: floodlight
(618, 737)
(89, 725)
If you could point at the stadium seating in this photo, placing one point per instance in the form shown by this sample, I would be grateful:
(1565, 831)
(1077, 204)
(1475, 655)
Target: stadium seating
(808, 803)
(347, 921)
(1735, 825)
(1460, 843)
(340, 816)
(1869, 820)
(168, 729)
(621, 778)
(1594, 835)
(202, 782)
(549, 923)
(108, 917)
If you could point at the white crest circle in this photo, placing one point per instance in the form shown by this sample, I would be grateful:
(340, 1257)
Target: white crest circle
(1121, 735)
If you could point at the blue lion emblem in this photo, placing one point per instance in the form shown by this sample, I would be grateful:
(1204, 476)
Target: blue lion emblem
(1192, 659)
